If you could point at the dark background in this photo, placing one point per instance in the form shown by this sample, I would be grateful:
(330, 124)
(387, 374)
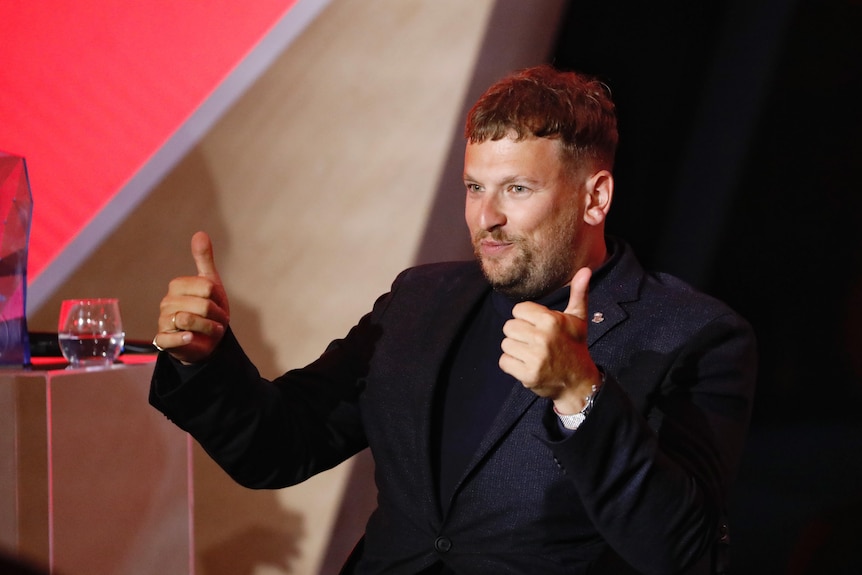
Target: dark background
(739, 170)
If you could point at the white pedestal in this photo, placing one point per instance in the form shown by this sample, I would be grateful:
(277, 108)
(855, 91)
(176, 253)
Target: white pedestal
(93, 479)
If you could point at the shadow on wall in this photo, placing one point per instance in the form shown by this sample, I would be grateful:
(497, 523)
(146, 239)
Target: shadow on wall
(357, 503)
(235, 528)
(255, 546)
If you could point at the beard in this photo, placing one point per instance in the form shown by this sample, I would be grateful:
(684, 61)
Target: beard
(530, 270)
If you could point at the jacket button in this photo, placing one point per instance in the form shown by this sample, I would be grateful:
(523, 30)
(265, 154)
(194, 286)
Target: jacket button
(443, 544)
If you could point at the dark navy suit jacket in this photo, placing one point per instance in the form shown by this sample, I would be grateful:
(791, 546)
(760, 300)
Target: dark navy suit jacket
(642, 482)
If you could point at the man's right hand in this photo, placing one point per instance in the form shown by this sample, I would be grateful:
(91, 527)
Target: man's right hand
(195, 312)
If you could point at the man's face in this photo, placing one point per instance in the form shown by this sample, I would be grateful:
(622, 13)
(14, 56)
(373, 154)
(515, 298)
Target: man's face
(524, 214)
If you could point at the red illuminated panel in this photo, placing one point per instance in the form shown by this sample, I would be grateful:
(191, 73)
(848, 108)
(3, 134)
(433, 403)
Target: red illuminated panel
(90, 90)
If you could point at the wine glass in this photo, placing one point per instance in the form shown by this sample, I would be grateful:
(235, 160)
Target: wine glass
(90, 331)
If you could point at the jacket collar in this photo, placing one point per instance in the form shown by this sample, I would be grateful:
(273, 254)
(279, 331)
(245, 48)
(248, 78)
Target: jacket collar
(617, 282)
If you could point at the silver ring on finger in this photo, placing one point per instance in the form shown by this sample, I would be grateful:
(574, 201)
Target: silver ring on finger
(157, 346)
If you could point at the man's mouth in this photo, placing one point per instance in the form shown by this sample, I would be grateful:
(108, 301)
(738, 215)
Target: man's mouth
(492, 247)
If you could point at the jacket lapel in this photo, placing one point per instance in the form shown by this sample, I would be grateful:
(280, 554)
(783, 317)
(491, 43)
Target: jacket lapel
(617, 283)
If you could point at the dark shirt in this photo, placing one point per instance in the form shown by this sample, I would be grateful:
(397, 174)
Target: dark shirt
(474, 388)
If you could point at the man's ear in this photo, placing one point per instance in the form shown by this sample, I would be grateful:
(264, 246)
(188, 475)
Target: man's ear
(599, 190)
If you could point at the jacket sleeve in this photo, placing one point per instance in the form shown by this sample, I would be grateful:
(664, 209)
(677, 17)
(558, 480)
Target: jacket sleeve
(271, 434)
(654, 477)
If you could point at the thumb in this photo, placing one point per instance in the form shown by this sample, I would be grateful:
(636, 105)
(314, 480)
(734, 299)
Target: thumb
(580, 286)
(202, 252)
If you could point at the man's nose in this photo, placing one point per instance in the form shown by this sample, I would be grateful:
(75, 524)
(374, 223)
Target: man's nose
(491, 214)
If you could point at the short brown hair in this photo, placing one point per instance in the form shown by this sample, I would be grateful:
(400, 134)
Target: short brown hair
(543, 102)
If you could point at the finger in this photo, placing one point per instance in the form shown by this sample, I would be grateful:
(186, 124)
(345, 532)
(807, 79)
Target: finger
(191, 287)
(206, 307)
(176, 312)
(580, 287)
(528, 311)
(186, 347)
(184, 321)
(515, 349)
(171, 340)
(519, 330)
(202, 252)
(511, 366)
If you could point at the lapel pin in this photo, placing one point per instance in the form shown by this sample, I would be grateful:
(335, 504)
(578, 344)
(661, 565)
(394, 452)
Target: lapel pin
(598, 317)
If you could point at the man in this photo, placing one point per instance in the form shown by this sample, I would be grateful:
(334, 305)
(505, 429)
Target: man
(515, 426)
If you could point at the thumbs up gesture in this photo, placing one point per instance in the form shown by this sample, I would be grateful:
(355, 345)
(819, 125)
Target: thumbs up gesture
(546, 350)
(194, 314)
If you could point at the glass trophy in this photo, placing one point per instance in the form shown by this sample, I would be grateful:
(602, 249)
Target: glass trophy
(16, 210)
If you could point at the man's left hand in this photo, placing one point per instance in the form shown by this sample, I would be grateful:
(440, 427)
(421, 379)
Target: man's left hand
(546, 350)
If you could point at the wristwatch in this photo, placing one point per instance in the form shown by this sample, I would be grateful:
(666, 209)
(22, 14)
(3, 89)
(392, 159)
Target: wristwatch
(573, 421)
